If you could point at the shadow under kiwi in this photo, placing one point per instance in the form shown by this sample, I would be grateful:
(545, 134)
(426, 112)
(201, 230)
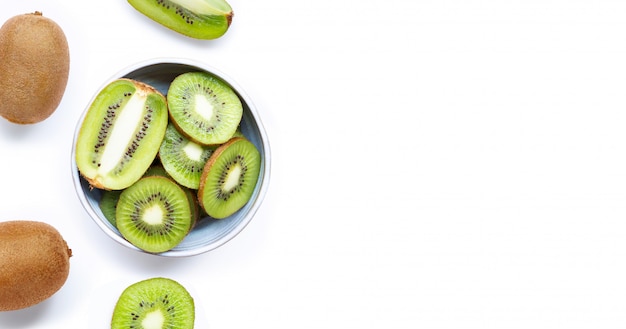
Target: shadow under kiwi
(24, 318)
(155, 265)
(15, 131)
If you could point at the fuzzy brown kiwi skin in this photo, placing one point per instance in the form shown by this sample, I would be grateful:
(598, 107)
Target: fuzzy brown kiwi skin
(34, 263)
(34, 68)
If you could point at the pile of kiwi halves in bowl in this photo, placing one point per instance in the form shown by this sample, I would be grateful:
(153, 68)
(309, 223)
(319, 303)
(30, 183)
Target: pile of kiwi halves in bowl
(164, 162)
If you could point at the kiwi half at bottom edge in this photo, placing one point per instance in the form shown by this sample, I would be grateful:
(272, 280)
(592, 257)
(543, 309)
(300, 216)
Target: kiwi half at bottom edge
(154, 303)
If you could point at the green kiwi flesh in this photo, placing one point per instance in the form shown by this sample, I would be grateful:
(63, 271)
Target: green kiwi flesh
(156, 170)
(229, 178)
(199, 19)
(204, 108)
(154, 214)
(238, 133)
(154, 303)
(108, 204)
(121, 134)
(182, 158)
(193, 206)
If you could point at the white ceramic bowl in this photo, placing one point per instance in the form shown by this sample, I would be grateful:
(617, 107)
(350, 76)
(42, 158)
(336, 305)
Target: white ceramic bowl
(209, 233)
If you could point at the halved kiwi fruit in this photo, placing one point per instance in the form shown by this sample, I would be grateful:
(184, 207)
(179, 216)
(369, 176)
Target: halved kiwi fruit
(121, 134)
(154, 303)
(229, 178)
(154, 214)
(182, 158)
(204, 108)
(200, 19)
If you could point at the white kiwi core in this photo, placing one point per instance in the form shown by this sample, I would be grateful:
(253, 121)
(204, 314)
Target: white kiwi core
(203, 107)
(123, 132)
(232, 180)
(153, 215)
(193, 151)
(205, 7)
(153, 320)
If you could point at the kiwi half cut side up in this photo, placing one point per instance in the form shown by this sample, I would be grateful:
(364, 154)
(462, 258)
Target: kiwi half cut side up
(199, 19)
(154, 303)
(182, 158)
(154, 214)
(229, 178)
(121, 134)
(204, 108)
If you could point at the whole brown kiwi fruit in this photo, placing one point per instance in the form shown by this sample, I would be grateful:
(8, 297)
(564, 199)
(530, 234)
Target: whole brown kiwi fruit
(34, 263)
(34, 68)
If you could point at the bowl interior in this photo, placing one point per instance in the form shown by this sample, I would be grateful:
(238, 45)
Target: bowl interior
(209, 233)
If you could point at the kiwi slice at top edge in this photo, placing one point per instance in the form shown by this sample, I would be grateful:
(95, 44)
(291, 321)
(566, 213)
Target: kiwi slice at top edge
(199, 19)
(229, 178)
(204, 108)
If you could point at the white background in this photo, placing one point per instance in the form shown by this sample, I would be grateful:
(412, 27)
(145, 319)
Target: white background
(435, 164)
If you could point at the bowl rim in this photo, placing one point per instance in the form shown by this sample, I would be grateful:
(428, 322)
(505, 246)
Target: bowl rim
(264, 174)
